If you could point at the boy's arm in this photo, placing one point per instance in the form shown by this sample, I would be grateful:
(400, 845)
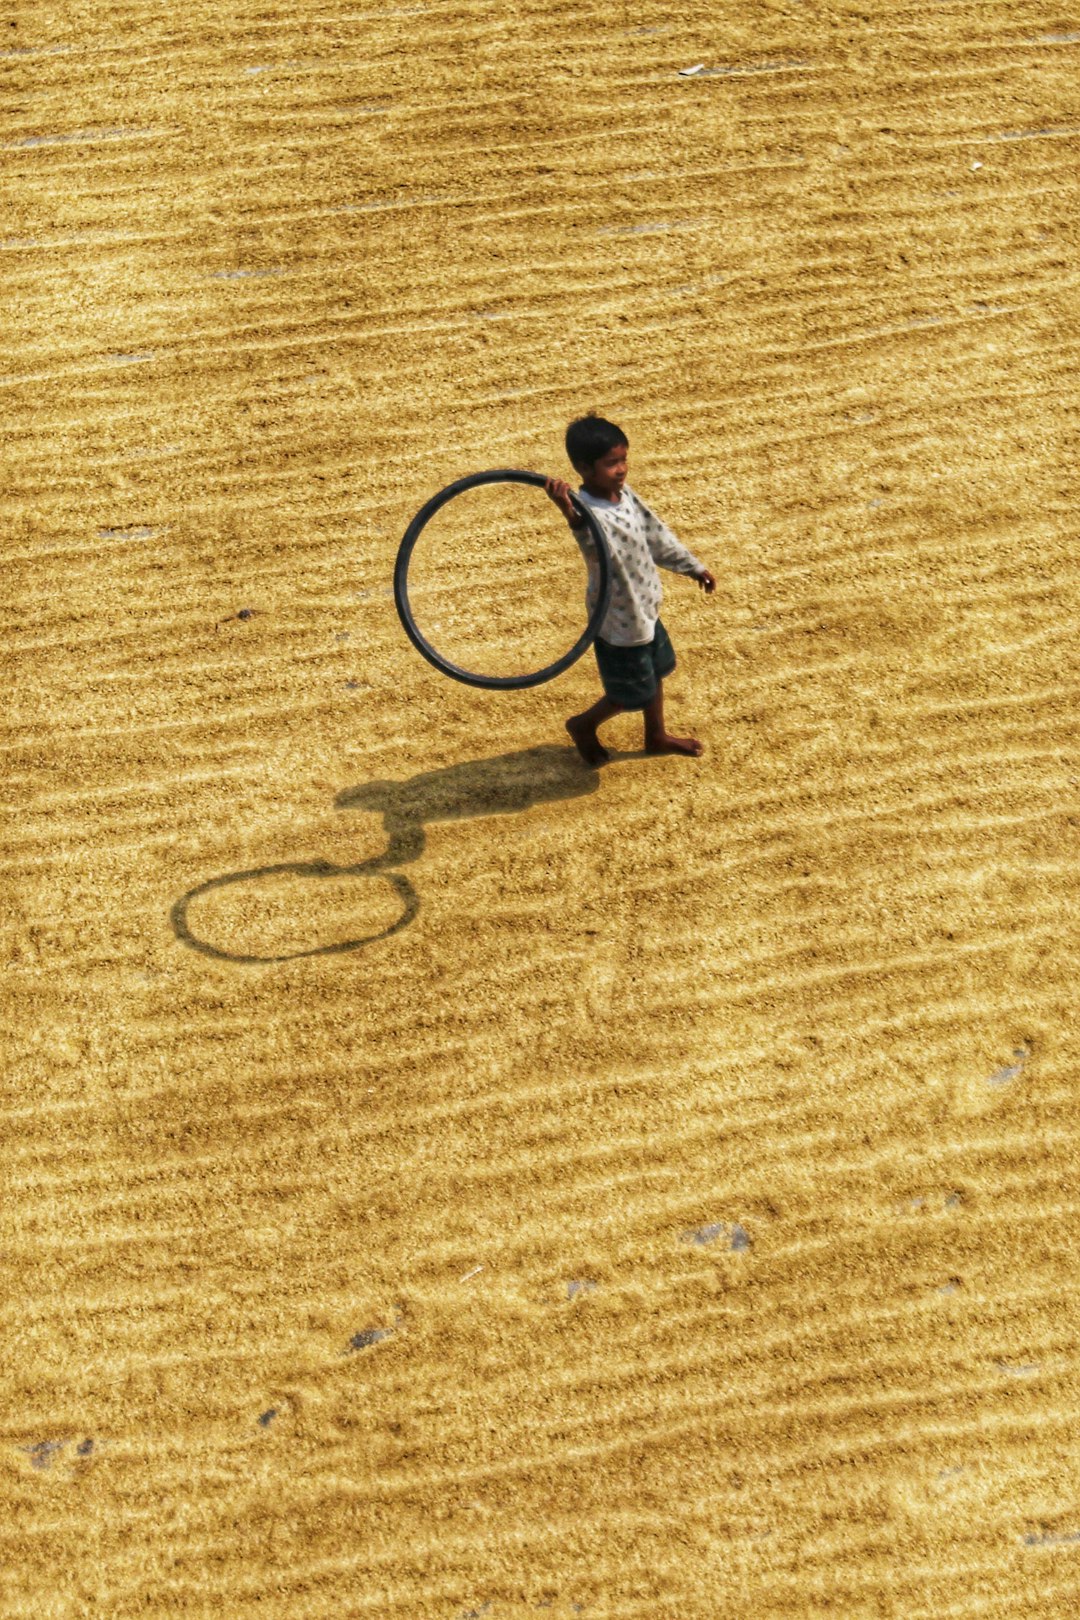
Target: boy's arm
(559, 491)
(669, 552)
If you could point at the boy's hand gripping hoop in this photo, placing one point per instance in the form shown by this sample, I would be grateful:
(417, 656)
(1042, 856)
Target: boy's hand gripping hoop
(497, 475)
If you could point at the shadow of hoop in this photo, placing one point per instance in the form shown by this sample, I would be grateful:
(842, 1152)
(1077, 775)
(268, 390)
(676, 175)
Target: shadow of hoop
(314, 869)
(502, 785)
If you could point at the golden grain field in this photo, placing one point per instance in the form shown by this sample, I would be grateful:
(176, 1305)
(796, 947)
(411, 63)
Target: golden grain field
(441, 1179)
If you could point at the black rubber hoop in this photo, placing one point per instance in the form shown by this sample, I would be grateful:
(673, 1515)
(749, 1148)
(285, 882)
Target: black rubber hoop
(497, 475)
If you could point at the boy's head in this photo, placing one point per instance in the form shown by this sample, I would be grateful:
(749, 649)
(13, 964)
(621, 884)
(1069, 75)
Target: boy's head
(598, 450)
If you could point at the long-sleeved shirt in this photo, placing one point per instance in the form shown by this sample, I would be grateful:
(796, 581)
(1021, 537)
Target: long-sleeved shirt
(637, 542)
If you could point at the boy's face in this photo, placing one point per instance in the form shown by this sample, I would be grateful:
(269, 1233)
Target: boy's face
(607, 476)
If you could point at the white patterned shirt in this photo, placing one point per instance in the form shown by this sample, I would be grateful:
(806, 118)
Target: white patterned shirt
(637, 542)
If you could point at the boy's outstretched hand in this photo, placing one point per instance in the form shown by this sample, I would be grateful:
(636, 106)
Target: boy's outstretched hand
(706, 581)
(560, 492)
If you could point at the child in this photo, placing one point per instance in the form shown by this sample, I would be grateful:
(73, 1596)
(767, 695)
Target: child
(633, 651)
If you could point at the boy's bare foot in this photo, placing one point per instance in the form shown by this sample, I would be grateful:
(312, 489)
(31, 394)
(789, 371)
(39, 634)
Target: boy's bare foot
(586, 741)
(666, 744)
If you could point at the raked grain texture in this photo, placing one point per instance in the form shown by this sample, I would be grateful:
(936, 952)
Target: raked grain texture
(440, 1179)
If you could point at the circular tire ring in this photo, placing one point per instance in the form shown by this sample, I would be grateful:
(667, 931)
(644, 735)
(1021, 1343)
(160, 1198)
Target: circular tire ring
(497, 475)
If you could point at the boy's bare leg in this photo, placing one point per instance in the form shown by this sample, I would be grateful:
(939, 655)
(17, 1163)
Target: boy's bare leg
(660, 741)
(582, 728)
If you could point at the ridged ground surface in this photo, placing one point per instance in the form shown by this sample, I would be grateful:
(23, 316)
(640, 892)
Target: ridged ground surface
(676, 1215)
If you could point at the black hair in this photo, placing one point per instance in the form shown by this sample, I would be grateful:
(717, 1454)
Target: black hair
(590, 437)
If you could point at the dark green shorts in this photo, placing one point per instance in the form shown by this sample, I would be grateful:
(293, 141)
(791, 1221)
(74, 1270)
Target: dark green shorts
(630, 675)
